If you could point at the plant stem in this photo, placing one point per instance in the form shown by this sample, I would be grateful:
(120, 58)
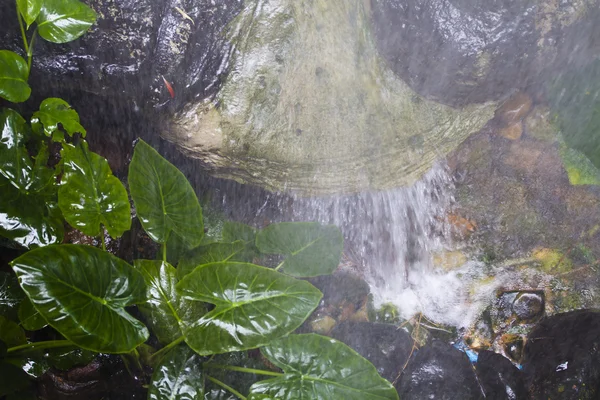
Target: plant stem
(102, 234)
(168, 347)
(279, 266)
(23, 35)
(50, 344)
(241, 369)
(30, 49)
(164, 251)
(226, 387)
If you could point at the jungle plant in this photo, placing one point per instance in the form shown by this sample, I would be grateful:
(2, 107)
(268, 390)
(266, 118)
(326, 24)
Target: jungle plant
(211, 299)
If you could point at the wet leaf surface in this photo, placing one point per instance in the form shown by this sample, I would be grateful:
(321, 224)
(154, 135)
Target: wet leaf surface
(13, 77)
(11, 333)
(11, 295)
(166, 312)
(164, 199)
(61, 21)
(16, 164)
(30, 318)
(29, 9)
(321, 368)
(55, 111)
(90, 195)
(311, 249)
(82, 291)
(211, 253)
(179, 376)
(253, 305)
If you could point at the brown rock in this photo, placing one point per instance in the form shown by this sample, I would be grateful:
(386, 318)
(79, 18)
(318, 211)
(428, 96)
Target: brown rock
(512, 132)
(514, 109)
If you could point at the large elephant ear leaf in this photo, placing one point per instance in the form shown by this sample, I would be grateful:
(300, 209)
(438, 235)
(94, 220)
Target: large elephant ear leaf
(166, 312)
(211, 253)
(253, 306)
(61, 21)
(16, 165)
(311, 249)
(90, 195)
(13, 77)
(179, 376)
(164, 199)
(320, 368)
(82, 292)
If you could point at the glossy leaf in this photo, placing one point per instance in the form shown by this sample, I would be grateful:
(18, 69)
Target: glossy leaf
(11, 333)
(211, 253)
(234, 231)
(67, 358)
(311, 249)
(11, 295)
(179, 376)
(12, 378)
(29, 10)
(30, 318)
(164, 199)
(82, 291)
(54, 111)
(29, 220)
(320, 368)
(90, 195)
(61, 21)
(13, 77)
(253, 306)
(166, 311)
(16, 165)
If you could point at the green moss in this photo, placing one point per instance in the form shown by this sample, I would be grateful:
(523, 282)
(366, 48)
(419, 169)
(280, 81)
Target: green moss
(552, 261)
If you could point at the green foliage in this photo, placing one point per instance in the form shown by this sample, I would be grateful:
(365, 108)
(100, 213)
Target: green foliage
(82, 291)
(164, 199)
(13, 77)
(90, 196)
(311, 249)
(321, 368)
(179, 376)
(215, 302)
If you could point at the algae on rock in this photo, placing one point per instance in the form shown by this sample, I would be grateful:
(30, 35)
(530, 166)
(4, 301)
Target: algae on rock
(309, 105)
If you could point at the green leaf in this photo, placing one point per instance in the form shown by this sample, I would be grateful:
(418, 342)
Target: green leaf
(580, 169)
(12, 378)
(29, 220)
(321, 368)
(311, 249)
(30, 317)
(179, 376)
(13, 77)
(82, 292)
(166, 311)
(29, 10)
(43, 178)
(61, 21)
(11, 295)
(211, 253)
(253, 306)
(91, 195)
(176, 248)
(54, 111)
(16, 165)
(234, 231)
(164, 199)
(66, 358)
(11, 333)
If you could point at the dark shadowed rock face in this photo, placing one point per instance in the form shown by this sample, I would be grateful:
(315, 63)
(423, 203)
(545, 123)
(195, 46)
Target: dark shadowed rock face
(386, 346)
(440, 372)
(500, 379)
(131, 47)
(562, 357)
(465, 51)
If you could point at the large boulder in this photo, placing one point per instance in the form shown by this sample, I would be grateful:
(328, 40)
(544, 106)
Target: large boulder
(465, 51)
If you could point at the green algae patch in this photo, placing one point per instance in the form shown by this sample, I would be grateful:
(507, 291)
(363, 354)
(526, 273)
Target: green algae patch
(580, 169)
(552, 261)
(309, 105)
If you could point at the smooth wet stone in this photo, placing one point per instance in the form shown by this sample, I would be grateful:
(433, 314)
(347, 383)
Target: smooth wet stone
(384, 345)
(514, 109)
(528, 306)
(465, 51)
(500, 379)
(310, 106)
(562, 357)
(441, 372)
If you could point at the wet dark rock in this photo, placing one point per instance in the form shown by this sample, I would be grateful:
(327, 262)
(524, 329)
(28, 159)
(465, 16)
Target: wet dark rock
(512, 345)
(500, 379)
(562, 357)
(439, 371)
(131, 47)
(386, 346)
(528, 306)
(465, 51)
(514, 109)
